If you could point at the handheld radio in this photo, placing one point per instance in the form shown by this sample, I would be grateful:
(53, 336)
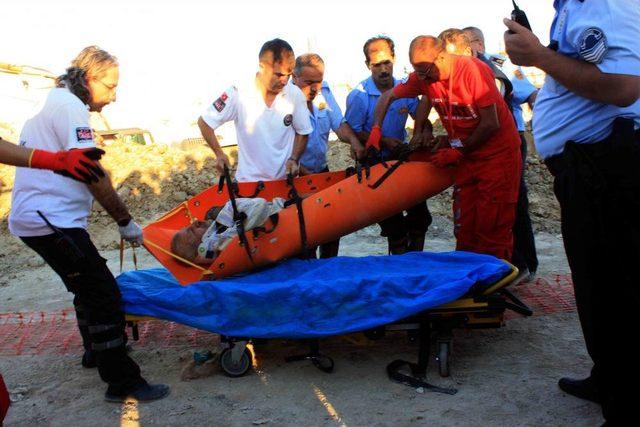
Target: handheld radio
(519, 16)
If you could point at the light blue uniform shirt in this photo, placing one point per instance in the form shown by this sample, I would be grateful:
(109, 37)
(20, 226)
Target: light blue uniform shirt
(605, 33)
(326, 116)
(361, 103)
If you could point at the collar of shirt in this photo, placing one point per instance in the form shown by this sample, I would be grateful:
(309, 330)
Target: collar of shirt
(557, 4)
(371, 89)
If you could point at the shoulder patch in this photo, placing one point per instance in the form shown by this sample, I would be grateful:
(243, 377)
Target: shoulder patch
(84, 134)
(593, 45)
(220, 103)
(288, 119)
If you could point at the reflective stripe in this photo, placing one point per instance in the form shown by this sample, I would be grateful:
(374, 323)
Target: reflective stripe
(96, 329)
(108, 344)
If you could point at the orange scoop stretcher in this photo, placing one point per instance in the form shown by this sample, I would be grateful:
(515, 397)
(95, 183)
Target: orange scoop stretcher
(321, 208)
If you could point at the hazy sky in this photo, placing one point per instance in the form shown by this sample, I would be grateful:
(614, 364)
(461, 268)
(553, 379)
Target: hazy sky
(175, 56)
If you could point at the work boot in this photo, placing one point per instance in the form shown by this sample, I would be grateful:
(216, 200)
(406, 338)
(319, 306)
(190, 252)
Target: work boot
(583, 389)
(416, 242)
(398, 246)
(144, 393)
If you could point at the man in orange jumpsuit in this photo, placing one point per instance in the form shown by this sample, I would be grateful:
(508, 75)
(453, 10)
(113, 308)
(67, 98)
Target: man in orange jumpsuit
(483, 142)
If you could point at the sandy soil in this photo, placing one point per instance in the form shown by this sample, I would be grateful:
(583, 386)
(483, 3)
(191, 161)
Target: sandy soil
(504, 376)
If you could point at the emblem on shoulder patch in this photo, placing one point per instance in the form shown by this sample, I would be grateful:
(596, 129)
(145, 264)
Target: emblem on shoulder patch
(288, 119)
(593, 45)
(219, 103)
(84, 134)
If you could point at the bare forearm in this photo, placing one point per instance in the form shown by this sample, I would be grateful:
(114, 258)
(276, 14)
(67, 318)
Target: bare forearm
(480, 135)
(421, 118)
(362, 136)
(382, 106)
(586, 79)
(106, 195)
(299, 145)
(11, 154)
(210, 137)
(346, 134)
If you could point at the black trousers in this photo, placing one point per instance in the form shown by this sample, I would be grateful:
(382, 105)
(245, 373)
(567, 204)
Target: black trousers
(98, 304)
(416, 221)
(598, 187)
(524, 245)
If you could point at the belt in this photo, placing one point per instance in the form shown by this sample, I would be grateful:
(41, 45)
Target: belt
(568, 159)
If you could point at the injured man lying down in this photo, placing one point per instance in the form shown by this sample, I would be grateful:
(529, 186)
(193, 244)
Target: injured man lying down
(202, 241)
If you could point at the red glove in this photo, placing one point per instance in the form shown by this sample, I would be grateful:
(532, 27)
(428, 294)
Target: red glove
(79, 164)
(446, 157)
(374, 138)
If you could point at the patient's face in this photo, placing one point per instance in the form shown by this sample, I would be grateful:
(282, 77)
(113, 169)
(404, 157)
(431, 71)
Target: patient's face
(188, 238)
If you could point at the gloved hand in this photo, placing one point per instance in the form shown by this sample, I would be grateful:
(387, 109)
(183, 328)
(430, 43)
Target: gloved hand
(131, 232)
(446, 157)
(374, 138)
(79, 164)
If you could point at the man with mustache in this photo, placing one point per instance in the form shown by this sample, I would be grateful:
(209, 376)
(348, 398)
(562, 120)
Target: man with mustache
(483, 142)
(404, 233)
(271, 119)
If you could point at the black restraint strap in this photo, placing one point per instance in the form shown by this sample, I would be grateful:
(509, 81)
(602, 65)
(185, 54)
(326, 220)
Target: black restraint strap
(238, 217)
(294, 198)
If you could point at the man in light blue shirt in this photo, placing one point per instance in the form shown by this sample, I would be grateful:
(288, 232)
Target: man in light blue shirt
(325, 115)
(404, 233)
(585, 125)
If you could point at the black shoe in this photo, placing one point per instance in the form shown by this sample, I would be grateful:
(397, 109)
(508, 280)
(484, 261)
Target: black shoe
(89, 360)
(144, 393)
(583, 389)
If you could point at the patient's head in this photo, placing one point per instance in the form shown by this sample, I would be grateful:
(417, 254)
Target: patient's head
(186, 241)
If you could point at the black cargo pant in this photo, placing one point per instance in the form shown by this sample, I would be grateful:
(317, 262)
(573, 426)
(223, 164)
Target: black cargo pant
(524, 245)
(598, 187)
(414, 224)
(417, 220)
(98, 305)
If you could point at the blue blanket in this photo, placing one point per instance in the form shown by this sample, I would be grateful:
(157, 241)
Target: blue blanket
(311, 298)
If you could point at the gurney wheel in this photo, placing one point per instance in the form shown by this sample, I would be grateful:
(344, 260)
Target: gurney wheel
(234, 370)
(443, 358)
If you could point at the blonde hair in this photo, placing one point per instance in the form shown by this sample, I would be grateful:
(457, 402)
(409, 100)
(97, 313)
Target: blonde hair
(90, 62)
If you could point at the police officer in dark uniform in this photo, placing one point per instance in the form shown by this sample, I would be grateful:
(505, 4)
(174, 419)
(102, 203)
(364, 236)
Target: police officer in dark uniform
(585, 126)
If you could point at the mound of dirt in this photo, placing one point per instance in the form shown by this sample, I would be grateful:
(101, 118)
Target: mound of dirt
(152, 179)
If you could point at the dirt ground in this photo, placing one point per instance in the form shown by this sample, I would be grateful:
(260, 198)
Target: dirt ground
(505, 376)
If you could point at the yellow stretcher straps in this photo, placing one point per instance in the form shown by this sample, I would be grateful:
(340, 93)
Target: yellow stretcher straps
(135, 257)
(171, 254)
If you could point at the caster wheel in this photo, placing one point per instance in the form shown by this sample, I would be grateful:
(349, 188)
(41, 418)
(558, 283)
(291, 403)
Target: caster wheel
(443, 358)
(232, 369)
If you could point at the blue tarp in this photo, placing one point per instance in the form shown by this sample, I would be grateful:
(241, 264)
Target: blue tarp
(311, 298)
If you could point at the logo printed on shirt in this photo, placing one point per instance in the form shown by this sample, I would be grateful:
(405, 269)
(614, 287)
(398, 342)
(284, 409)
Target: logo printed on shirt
(219, 103)
(84, 134)
(593, 45)
(288, 119)
(458, 111)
